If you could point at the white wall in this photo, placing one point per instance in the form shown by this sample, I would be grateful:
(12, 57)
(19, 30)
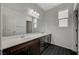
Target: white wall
(0, 27)
(15, 16)
(60, 36)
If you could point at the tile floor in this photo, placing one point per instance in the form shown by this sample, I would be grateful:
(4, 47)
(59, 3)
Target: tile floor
(56, 50)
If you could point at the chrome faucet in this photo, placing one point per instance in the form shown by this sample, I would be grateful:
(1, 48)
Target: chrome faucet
(22, 36)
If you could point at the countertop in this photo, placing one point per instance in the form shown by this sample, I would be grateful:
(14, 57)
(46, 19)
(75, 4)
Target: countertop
(18, 39)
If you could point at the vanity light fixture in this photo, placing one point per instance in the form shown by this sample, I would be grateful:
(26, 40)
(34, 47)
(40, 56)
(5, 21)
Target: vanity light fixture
(33, 13)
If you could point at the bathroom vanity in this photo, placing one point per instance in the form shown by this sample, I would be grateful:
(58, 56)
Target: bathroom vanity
(34, 44)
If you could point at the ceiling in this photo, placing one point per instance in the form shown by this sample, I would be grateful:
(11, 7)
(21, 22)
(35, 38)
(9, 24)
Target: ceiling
(47, 6)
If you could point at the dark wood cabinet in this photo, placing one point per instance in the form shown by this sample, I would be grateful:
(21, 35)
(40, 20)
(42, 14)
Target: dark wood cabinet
(32, 47)
(29, 48)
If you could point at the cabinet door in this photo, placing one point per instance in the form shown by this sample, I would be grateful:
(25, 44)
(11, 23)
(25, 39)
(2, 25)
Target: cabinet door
(34, 47)
(17, 50)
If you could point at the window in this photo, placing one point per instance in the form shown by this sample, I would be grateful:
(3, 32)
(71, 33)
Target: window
(35, 23)
(63, 18)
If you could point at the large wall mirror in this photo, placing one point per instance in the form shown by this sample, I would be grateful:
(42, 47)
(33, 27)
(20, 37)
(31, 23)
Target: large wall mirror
(15, 23)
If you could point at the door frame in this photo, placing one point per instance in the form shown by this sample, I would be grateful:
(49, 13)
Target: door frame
(77, 24)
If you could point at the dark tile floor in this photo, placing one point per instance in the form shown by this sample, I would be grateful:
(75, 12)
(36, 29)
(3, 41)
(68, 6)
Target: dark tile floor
(56, 50)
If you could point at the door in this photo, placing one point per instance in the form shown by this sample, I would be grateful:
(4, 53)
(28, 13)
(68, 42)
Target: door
(76, 29)
(28, 26)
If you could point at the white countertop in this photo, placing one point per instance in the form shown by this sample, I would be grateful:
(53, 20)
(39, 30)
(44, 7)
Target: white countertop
(18, 39)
